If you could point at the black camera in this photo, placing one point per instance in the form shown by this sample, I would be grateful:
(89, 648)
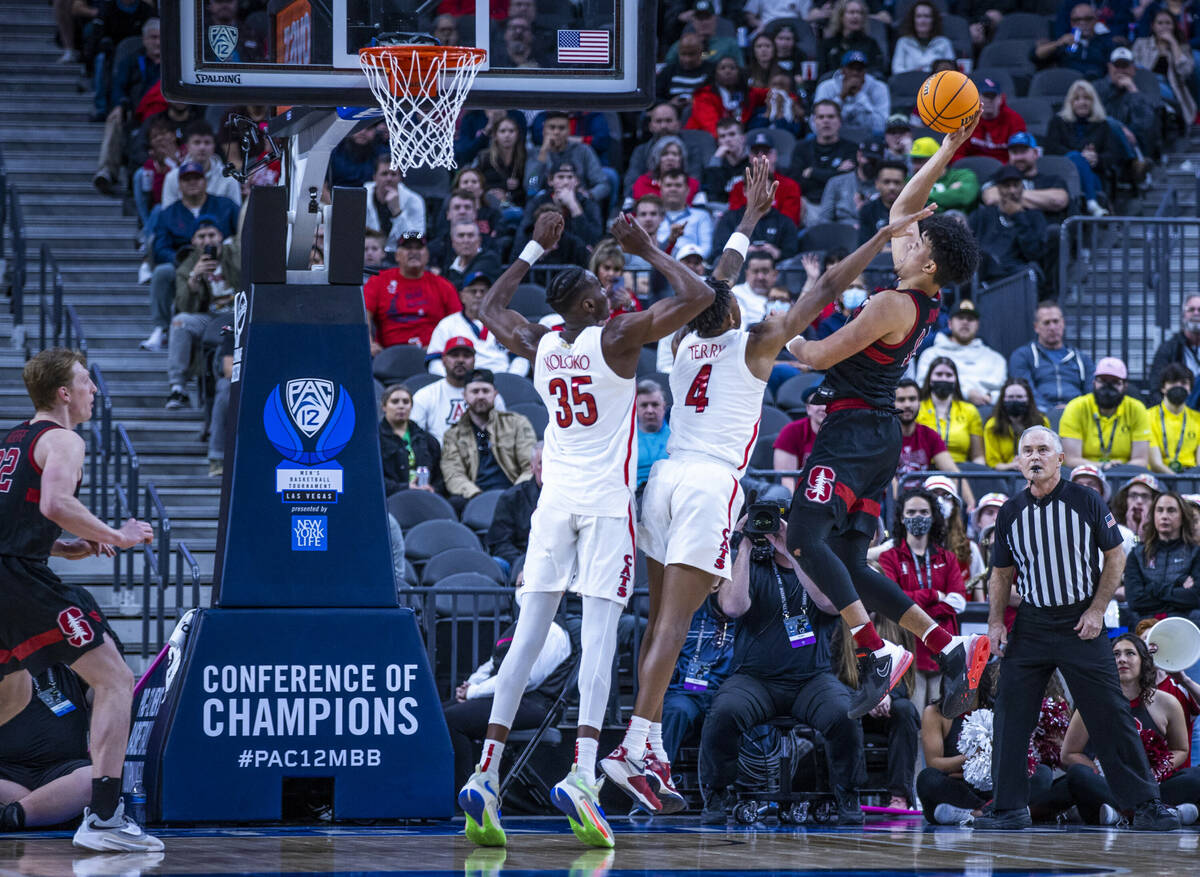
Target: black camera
(763, 517)
(210, 250)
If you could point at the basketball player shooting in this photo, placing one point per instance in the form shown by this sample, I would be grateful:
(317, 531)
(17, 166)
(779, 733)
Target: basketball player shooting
(691, 498)
(582, 531)
(45, 621)
(836, 507)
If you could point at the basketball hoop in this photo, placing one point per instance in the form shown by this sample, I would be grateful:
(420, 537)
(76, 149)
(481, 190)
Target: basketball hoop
(421, 90)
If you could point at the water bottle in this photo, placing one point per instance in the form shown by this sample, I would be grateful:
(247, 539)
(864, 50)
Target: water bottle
(743, 38)
(1075, 45)
(136, 805)
(422, 476)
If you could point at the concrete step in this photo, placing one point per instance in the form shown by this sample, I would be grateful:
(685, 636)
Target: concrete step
(86, 236)
(67, 108)
(45, 79)
(75, 207)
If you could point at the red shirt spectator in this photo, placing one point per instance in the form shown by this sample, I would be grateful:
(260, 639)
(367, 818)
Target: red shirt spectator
(997, 122)
(927, 581)
(918, 450)
(647, 185)
(787, 198)
(405, 304)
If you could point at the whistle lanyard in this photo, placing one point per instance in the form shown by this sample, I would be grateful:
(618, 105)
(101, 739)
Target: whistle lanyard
(928, 581)
(1106, 450)
(1162, 420)
(937, 421)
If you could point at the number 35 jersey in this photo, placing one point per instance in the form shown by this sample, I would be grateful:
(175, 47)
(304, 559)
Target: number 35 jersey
(589, 463)
(717, 400)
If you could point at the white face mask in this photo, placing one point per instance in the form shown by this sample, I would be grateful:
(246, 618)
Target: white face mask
(947, 506)
(853, 298)
(777, 307)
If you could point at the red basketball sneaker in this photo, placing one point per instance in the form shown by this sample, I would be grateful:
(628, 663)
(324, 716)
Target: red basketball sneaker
(629, 774)
(659, 775)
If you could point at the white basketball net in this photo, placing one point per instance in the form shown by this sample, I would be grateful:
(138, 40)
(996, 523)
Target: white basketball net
(421, 96)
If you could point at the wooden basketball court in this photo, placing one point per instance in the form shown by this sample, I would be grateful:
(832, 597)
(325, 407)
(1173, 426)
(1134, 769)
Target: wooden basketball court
(673, 845)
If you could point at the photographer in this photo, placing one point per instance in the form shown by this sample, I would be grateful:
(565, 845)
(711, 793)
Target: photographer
(45, 772)
(782, 666)
(204, 286)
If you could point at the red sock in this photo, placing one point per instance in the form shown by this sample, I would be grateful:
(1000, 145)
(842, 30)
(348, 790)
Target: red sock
(866, 637)
(937, 639)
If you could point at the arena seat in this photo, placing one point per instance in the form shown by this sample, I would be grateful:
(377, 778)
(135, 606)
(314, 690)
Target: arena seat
(1053, 84)
(1001, 77)
(788, 398)
(456, 560)
(516, 389)
(410, 574)
(411, 507)
(1036, 111)
(773, 420)
(1022, 25)
(430, 538)
(530, 301)
(393, 364)
(827, 236)
(481, 508)
(416, 382)
(647, 362)
(983, 166)
(536, 413)
(764, 452)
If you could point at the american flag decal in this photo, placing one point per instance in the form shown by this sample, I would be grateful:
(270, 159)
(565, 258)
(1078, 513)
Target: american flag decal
(583, 46)
(1110, 521)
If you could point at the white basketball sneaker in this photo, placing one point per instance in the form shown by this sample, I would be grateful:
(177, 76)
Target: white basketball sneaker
(117, 835)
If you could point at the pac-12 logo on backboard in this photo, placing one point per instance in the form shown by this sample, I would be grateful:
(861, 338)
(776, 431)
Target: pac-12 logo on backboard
(309, 401)
(309, 420)
(820, 484)
(222, 39)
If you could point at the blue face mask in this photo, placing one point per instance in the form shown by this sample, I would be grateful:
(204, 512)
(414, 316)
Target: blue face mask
(853, 298)
(777, 307)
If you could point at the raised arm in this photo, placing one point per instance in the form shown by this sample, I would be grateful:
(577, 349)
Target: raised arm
(517, 335)
(915, 193)
(760, 195)
(625, 334)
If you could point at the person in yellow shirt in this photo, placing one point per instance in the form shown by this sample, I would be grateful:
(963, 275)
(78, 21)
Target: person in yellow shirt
(944, 410)
(1174, 430)
(1016, 412)
(1106, 427)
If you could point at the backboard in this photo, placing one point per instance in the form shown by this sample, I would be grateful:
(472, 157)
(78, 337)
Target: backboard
(564, 54)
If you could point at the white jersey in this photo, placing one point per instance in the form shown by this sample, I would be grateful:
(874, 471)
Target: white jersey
(717, 400)
(438, 406)
(589, 464)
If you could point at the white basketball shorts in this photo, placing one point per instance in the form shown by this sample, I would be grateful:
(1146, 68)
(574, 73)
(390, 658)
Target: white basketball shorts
(591, 555)
(688, 511)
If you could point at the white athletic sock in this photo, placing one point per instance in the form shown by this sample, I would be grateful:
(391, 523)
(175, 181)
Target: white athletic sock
(635, 737)
(489, 762)
(655, 742)
(585, 757)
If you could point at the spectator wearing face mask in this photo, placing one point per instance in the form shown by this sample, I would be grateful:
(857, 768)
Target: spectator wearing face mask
(848, 302)
(950, 502)
(1174, 430)
(1016, 412)
(1106, 427)
(944, 410)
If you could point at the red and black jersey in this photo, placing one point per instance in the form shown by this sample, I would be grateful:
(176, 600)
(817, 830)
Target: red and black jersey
(24, 530)
(872, 374)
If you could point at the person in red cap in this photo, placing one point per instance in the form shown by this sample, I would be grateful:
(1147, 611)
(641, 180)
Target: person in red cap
(997, 123)
(438, 406)
(405, 304)
(1106, 427)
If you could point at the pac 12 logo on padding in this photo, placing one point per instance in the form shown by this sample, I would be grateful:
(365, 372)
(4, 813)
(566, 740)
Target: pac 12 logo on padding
(309, 421)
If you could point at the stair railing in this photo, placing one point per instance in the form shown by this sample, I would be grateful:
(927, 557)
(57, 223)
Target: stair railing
(18, 269)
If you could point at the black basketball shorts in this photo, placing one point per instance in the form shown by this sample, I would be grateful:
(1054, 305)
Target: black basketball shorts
(851, 465)
(44, 621)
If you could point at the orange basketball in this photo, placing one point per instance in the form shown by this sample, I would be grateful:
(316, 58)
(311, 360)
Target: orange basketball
(947, 99)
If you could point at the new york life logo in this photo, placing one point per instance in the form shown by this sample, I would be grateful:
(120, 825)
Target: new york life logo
(310, 533)
(309, 421)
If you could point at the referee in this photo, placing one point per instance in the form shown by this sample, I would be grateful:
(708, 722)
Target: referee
(1053, 534)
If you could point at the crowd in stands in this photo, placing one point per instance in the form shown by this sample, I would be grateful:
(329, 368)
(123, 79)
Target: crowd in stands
(1077, 107)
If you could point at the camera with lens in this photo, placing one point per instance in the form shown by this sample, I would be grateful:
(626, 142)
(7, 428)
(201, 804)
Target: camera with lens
(763, 517)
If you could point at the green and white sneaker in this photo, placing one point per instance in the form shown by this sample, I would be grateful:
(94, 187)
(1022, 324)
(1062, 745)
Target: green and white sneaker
(580, 801)
(481, 804)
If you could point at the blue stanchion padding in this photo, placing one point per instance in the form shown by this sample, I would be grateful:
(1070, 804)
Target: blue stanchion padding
(263, 695)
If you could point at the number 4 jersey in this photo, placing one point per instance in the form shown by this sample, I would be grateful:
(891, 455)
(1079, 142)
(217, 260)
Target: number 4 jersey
(589, 463)
(717, 400)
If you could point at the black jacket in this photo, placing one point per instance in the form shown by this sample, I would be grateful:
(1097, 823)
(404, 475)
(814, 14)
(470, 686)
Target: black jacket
(774, 228)
(1174, 349)
(1008, 242)
(1155, 586)
(1063, 137)
(508, 536)
(426, 451)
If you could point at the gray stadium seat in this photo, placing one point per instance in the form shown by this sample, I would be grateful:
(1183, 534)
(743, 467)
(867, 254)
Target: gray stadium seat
(530, 301)
(958, 31)
(496, 601)
(430, 538)
(773, 420)
(1053, 83)
(411, 507)
(456, 560)
(1065, 168)
(480, 510)
(764, 452)
(1001, 77)
(393, 364)
(903, 88)
(788, 396)
(827, 236)
(647, 361)
(536, 413)
(983, 166)
(1023, 25)
(416, 382)
(1036, 111)
(516, 389)
(785, 143)
(702, 142)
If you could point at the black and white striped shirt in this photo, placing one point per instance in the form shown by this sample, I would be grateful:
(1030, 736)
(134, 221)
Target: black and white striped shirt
(1055, 543)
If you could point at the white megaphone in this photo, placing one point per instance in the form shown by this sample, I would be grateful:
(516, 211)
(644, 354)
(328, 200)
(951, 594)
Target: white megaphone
(1177, 644)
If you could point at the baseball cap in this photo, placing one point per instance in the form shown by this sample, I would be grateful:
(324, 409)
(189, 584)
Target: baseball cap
(689, 250)
(1007, 172)
(941, 482)
(871, 148)
(458, 342)
(760, 139)
(923, 147)
(191, 168)
(477, 277)
(809, 392)
(898, 122)
(989, 501)
(854, 57)
(412, 235)
(987, 85)
(205, 219)
(1111, 367)
(1022, 138)
(1120, 54)
(965, 307)
(1094, 472)
(1147, 479)
(563, 166)
(703, 8)
(482, 376)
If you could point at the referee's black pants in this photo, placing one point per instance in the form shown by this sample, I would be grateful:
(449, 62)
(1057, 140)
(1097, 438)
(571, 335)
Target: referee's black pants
(1041, 640)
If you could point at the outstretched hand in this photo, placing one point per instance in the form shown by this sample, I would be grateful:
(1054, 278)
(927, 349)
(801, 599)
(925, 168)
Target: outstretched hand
(957, 138)
(760, 186)
(548, 229)
(631, 236)
(902, 226)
